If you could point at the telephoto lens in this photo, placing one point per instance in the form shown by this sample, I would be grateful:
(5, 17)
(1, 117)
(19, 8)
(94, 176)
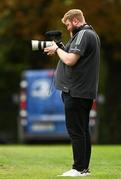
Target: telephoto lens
(40, 45)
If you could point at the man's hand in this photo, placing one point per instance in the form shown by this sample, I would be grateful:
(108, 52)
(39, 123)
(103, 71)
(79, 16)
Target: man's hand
(51, 49)
(69, 59)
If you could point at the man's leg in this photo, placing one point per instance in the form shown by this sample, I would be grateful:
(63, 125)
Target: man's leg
(77, 122)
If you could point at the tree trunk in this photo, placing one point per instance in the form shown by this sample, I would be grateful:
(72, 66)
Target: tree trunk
(111, 122)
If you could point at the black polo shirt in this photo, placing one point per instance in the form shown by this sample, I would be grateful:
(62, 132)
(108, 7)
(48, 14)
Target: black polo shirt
(81, 79)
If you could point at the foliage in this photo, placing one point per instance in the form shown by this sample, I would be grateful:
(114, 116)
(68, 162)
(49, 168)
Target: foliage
(21, 21)
(30, 19)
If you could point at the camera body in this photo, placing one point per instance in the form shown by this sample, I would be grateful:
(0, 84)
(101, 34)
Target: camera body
(50, 36)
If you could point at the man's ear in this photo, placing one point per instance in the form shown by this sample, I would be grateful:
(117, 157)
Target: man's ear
(75, 21)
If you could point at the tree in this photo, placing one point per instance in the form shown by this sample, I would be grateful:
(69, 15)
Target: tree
(24, 20)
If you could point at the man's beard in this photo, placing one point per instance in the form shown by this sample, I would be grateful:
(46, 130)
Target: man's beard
(75, 30)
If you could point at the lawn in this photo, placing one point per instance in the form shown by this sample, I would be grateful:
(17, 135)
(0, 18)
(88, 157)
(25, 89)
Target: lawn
(48, 161)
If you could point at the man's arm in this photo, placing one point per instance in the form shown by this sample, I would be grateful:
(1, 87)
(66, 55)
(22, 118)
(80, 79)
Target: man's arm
(69, 59)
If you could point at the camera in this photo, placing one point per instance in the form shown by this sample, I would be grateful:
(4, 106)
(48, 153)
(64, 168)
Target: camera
(50, 36)
(37, 45)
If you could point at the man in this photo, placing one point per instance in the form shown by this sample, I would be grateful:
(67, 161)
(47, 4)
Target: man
(77, 77)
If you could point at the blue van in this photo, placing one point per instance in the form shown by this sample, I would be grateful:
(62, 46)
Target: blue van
(41, 114)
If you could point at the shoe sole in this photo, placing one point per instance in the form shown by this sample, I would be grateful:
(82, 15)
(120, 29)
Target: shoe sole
(85, 174)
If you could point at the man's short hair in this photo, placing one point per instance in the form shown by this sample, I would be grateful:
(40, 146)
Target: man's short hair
(77, 13)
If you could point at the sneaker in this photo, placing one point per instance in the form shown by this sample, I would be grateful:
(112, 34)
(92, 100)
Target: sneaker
(74, 172)
(87, 172)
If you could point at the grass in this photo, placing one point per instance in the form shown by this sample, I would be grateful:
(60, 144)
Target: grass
(47, 161)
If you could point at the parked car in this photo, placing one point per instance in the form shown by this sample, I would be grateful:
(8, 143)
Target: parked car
(41, 114)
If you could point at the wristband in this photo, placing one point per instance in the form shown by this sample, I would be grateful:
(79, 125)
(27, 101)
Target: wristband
(56, 49)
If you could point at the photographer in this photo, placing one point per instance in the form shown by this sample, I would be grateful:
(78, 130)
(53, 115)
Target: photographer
(77, 77)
